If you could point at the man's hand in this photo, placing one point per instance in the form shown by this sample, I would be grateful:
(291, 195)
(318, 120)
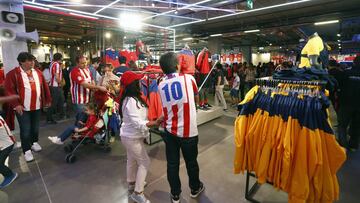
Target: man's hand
(76, 130)
(9, 98)
(159, 120)
(19, 109)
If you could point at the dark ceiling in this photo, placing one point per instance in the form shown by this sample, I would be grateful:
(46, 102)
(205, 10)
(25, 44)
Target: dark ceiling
(279, 25)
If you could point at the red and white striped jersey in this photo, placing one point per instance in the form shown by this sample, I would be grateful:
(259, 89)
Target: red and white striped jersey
(6, 139)
(177, 92)
(55, 68)
(79, 94)
(30, 95)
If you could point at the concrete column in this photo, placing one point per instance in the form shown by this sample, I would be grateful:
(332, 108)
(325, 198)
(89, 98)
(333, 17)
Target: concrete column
(11, 49)
(215, 45)
(116, 40)
(246, 53)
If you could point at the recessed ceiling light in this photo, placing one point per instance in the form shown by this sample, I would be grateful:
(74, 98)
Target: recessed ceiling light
(108, 35)
(68, 46)
(339, 44)
(270, 44)
(339, 35)
(215, 35)
(89, 41)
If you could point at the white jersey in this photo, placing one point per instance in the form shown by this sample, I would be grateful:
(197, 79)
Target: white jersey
(177, 92)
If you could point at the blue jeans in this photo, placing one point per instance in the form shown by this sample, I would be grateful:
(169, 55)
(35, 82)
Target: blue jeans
(67, 133)
(80, 114)
(189, 149)
(29, 123)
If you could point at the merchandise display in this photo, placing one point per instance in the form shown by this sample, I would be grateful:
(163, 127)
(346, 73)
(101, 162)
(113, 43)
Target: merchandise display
(283, 134)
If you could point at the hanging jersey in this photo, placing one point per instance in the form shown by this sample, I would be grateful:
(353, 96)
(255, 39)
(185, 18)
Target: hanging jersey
(79, 94)
(54, 70)
(30, 95)
(203, 62)
(177, 93)
(187, 62)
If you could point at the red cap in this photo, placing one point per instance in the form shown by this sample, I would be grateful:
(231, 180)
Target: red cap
(128, 77)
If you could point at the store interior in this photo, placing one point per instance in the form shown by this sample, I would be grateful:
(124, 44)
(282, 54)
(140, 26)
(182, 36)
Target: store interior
(233, 31)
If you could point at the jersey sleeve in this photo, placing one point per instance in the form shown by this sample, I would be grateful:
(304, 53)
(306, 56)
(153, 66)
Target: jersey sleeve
(91, 122)
(76, 76)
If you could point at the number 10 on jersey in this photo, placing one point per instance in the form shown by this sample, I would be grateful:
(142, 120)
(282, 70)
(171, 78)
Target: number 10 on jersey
(173, 91)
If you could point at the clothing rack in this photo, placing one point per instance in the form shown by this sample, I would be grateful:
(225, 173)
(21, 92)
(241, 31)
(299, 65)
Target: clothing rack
(269, 81)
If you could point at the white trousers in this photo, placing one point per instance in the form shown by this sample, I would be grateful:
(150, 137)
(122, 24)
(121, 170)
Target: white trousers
(138, 162)
(219, 96)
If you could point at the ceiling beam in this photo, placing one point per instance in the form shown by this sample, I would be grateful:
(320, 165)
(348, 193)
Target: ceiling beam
(105, 7)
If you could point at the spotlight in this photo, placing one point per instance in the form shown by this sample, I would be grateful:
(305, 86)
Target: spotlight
(108, 35)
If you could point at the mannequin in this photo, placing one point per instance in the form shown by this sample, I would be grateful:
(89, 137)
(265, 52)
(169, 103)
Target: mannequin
(311, 52)
(203, 67)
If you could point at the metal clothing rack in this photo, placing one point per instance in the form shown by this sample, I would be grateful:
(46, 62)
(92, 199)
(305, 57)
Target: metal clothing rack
(269, 81)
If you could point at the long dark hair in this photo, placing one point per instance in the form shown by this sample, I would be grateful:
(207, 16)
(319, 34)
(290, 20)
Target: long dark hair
(132, 90)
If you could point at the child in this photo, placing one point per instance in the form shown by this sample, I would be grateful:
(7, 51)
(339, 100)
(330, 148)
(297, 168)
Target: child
(134, 128)
(90, 110)
(234, 92)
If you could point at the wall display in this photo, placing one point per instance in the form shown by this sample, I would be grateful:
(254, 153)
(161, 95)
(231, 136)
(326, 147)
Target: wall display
(231, 58)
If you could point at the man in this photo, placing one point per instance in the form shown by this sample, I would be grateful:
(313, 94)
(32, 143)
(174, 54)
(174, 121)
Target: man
(95, 62)
(349, 111)
(81, 84)
(55, 89)
(34, 93)
(177, 93)
(122, 68)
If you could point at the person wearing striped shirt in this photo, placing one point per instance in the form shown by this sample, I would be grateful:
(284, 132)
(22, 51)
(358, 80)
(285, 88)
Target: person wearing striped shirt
(55, 89)
(81, 84)
(34, 94)
(178, 93)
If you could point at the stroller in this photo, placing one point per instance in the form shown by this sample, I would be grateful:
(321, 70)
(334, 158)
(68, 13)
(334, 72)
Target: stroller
(99, 134)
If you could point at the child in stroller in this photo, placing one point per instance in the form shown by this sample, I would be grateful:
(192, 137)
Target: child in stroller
(79, 127)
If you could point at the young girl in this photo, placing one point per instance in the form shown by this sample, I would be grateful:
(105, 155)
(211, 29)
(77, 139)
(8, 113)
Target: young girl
(79, 126)
(134, 128)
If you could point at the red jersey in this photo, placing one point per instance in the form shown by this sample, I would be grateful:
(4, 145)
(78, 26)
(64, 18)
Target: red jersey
(203, 62)
(177, 92)
(138, 46)
(55, 69)
(80, 94)
(187, 62)
(2, 76)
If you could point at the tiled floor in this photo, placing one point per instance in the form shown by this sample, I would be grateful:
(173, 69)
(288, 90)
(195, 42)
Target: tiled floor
(98, 177)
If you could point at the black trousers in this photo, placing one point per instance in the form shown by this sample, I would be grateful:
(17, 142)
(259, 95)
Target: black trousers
(29, 123)
(4, 170)
(57, 103)
(189, 149)
(349, 116)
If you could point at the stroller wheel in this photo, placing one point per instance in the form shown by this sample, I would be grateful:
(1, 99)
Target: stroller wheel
(68, 148)
(107, 149)
(70, 158)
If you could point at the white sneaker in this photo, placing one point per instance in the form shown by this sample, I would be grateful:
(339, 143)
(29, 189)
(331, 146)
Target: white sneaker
(139, 198)
(56, 140)
(36, 147)
(29, 156)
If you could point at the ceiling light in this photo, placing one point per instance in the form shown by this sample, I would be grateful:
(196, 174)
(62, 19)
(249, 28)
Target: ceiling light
(153, 5)
(69, 46)
(83, 16)
(215, 35)
(188, 39)
(124, 37)
(176, 12)
(339, 40)
(270, 44)
(261, 48)
(339, 35)
(41, 43)
(250, 31)
(326, 22)
(130, 21)
(89, 41)
(339, 44)
(68, 39)
(108, 35)
(280, 47)
(78, 48)
(83, 42)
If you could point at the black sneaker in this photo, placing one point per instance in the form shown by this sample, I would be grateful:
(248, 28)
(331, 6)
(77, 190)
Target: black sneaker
(207, 105)
(196, 193)
(204, 108)
(175, 198)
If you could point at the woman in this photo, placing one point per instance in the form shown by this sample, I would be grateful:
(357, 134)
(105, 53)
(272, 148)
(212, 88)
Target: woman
(110, 80)
(134, 128)
(219, 86)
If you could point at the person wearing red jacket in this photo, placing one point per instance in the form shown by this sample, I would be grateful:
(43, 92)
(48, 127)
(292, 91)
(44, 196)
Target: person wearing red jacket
(203, 67)
(186, 61)
(29, 83)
